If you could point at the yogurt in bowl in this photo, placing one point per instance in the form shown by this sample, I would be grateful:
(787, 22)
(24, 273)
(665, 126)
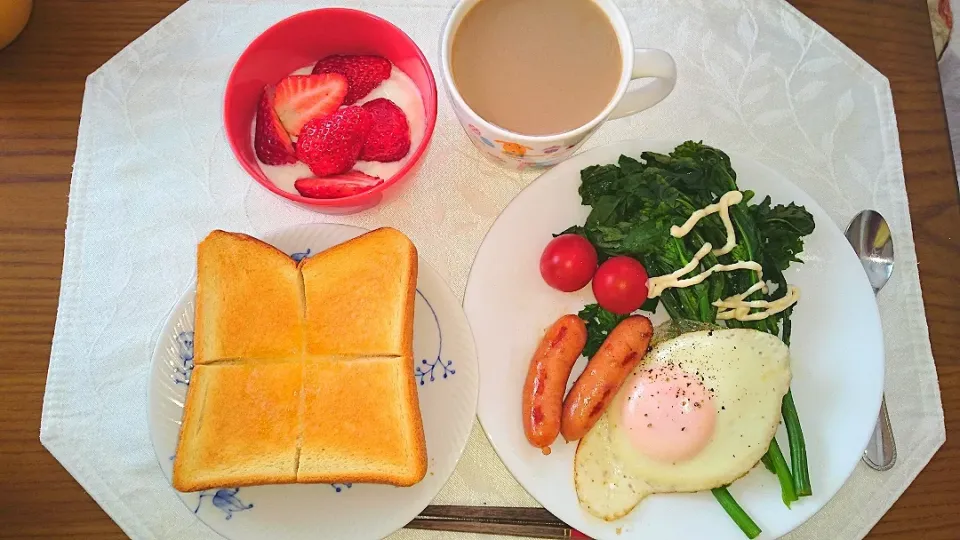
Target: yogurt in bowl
(398, 88)
(300, 41)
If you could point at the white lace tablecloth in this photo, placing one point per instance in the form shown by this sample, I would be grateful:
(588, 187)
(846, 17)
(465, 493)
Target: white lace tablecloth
(154, 174)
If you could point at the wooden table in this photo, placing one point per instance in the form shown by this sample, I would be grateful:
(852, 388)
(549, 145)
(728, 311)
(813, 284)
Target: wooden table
(41, 87)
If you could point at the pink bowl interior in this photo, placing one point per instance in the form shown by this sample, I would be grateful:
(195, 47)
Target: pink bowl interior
(301, 40)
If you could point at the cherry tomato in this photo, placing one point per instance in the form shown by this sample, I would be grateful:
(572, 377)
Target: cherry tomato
(620, 285)
(568, 262)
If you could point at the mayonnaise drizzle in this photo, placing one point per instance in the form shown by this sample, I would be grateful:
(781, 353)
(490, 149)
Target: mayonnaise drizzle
(723, 206)
(736, 306)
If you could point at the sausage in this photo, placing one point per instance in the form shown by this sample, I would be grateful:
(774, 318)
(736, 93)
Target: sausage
(547, 379)
(622, 350)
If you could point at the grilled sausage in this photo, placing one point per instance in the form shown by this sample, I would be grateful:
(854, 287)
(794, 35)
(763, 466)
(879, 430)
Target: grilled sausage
(547, 379)
(598, 384)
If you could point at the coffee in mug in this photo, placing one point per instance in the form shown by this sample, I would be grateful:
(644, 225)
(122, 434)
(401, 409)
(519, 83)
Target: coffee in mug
(531, 80)
(536, 67)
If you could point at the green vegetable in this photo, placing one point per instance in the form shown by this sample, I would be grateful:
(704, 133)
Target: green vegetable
(736, 512)
(782, 229)
(774, 460)
(768, 463)
(633, 206)
(798, 449)
(798, 452)
(599, 323)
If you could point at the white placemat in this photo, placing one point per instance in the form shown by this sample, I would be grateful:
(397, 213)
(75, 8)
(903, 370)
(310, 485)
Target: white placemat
(153, 174)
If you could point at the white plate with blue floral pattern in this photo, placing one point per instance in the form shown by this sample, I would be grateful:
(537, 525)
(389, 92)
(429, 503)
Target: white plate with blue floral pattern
(447, 376)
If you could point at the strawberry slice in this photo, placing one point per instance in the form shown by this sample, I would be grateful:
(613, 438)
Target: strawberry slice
(363, 73)
(335, 187)
(331, 144)
(270, 140)
(301, 98)
(389, 138)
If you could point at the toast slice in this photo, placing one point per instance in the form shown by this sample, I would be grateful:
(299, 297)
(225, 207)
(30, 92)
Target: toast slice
(304, 373)
(361, 422)
(360, 295)
(249, 301)
(241, 426)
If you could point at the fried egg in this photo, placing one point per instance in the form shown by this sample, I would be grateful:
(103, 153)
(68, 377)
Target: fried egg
(698, 412)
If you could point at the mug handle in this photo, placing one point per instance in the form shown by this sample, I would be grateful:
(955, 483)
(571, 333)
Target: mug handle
(647, 63)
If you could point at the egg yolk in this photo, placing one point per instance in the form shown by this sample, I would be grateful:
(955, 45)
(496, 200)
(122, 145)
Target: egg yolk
(668, 414)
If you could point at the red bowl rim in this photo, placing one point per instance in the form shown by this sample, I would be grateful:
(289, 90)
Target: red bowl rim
(360, 198)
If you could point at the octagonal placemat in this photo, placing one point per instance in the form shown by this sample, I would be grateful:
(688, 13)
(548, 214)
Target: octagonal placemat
(153, 174)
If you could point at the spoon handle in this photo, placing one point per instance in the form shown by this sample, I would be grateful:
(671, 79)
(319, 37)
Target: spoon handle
(881, 453)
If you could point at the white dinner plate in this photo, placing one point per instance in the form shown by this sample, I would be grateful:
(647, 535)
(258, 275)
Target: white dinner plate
(447, 376)
(836, 357)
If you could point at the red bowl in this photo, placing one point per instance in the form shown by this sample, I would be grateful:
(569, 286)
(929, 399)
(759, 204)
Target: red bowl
(303, 39)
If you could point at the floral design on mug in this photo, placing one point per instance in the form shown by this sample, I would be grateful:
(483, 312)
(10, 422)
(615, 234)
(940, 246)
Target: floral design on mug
(514, 149)
(551, 149)
(474, 132)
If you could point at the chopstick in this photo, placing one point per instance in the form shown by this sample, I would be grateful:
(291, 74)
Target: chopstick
(499, 520)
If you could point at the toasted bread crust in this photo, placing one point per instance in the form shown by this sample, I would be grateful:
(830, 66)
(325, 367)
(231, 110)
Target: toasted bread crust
(350, 435)
(377, 274)
(240, 426)
(418, 463)
(249, 303)
(378, 341)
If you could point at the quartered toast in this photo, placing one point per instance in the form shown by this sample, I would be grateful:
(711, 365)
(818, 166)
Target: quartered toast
(303, 373)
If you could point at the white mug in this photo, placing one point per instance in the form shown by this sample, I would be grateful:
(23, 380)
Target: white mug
(520, 151)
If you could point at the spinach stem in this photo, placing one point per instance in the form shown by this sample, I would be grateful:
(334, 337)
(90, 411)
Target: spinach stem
(768, 463)
(736, 513)
(798, 448)
(780, 468)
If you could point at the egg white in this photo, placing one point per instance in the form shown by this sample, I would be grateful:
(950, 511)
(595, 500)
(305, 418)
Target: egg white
(605, 487)
(746, 371)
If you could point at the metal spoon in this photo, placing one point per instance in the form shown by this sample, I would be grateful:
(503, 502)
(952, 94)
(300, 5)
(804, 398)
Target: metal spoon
(870, 237)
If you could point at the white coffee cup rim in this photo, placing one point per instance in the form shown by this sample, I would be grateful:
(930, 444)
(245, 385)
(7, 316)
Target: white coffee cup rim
(624, 38)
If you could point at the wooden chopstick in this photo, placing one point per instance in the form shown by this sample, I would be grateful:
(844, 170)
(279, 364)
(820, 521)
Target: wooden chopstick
(499, 520)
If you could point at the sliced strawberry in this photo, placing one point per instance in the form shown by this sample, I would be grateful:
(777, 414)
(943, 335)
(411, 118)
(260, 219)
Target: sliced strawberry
(335, 187)
(301, 98)
(270, 140)
(389, 138)
(363, 73)
(331, 144)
